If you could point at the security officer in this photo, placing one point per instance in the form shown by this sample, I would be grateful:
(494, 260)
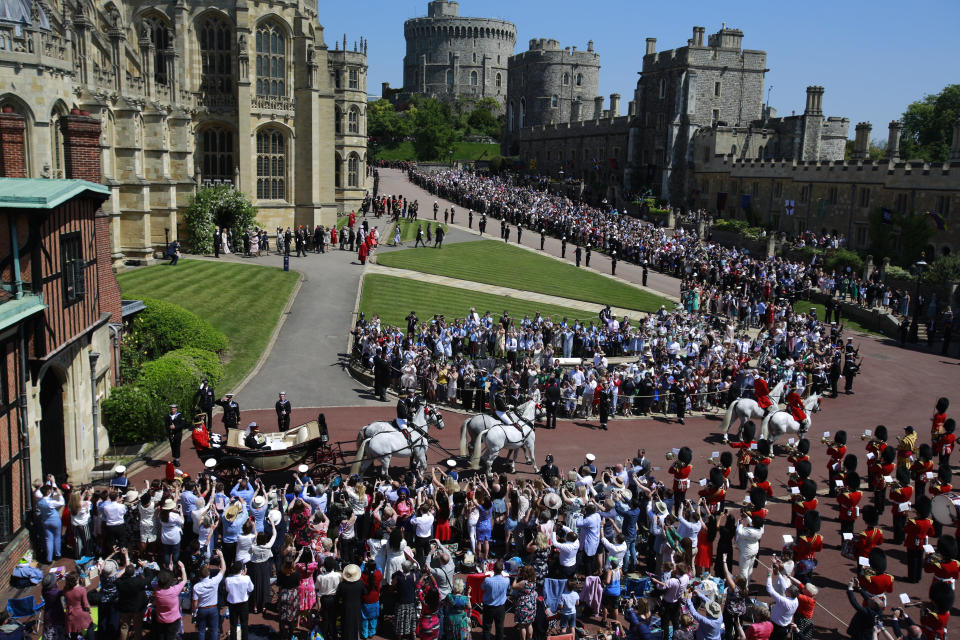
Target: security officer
(231, 412)
(549, 470)
(175, 426)
(644, 276)
(553, 398)
(283, 412)
(588, 254)
(205, 399)
(613, 263)
(543, 237)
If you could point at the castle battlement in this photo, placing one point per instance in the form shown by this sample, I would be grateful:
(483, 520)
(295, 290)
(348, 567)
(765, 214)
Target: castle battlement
(839, 169)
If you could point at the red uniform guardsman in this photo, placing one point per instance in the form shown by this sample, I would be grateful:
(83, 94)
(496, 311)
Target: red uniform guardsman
(922, 469)
(758, 502)
(760, 480)
(795, 407)
(680, 470)
(874, 580)
(939, 417)
(762, 392)
(714, 493)
(884, 468)
(936, 616)
(745, 451)
(800, 452)
(804, 502)
(900, 494)
(945, 442)
(943, 483)
(943, 564)
(849, 501)
(917, 531)
(837, 450)
(869, 538)
(807, 545)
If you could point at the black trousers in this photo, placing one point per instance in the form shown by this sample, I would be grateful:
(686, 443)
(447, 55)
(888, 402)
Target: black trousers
(899, 522)
(328, 606)
(551, 415)
(493, 616)
(239, 614)
(914, 564)
(880, 501)
(669, 617)
(175, 440)
(779, 633)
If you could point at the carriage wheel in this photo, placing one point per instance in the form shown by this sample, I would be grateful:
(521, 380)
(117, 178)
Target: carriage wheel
(324, 473)
(230, 470)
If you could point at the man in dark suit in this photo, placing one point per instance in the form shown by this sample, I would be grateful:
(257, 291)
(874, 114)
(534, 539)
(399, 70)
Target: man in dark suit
(231, 412)
(204, 400)
(553, 397)
(217, 243)
(381, 375)
(283, 408)
(175, 426)
(254, 439)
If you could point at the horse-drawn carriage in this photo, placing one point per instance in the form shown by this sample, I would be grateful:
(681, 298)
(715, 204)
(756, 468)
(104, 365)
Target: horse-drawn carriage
(306, 444)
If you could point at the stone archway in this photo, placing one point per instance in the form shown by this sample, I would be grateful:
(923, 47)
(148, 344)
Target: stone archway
(54, 458)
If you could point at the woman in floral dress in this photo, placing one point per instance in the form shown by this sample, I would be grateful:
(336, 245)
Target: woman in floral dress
(300, 523)
(306, 592)
(428, 595)
(525, 589)
(288, 583)
(456, 607)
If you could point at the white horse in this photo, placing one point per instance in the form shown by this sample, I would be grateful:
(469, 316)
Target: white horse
(512, 437)
(427, 413)
(386, 444)
(473, 426)
(781, 422)
(748, 409)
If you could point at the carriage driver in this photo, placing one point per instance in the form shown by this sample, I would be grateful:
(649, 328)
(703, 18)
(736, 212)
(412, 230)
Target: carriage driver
(407, 407)
(254, 439)
(500, 406)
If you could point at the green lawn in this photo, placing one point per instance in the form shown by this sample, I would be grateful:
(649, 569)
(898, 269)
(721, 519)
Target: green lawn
(393, 298)
(462, 152)
(342, 222)
(498, 263)
(243, 301)
(804, 306)
(408, 230)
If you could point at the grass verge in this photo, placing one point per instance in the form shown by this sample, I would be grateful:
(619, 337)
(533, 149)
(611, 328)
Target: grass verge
(393, 298)
(243, 301)
(408, 229)
(804, 306)
(498, 263)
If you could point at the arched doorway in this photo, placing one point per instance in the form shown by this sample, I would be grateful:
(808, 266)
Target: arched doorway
(54, 458)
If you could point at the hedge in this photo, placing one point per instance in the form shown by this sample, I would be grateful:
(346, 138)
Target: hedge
(840, 259)
(134, 412)
(164, 326)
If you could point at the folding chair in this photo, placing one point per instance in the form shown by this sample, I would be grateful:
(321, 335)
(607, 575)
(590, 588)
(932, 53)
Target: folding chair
(21, 610)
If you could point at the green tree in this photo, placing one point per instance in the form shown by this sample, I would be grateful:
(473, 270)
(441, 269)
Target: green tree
(945, 269)
(482, 118)
(214, 207)
(915, 232)
(928, 125)
(384, 123)
(879, 232)
(433, 134)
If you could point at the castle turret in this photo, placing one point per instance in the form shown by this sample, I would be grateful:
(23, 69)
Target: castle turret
(614, 105)
(861, 144)
(893, 140)
(598, 107)
(651, 45)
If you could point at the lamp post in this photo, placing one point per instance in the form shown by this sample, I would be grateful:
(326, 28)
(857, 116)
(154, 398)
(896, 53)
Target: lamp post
(920, 266)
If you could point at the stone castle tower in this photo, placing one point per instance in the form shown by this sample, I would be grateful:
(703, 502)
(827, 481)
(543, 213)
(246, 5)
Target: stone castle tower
(451, 57)
(550, 85)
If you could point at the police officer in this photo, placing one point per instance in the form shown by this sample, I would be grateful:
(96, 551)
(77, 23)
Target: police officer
(577, 254)
(175, 426)
(231, 412)
(549, 470)
(613, 263)
(500, 406)
(543, 237)
(563, 247)
(470, 219)
(644, 276)
(588, 254)
(283, 409)
(205, 399)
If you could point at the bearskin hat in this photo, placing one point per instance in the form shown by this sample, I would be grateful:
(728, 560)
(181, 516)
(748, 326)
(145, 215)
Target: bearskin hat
(758, 497)
(804, 468)
(947, 548)
(923, 506)
(942, 405)
(945, 474)
(869, 515)
(878, 560)
(925, 452)
(888, 456)
(903, 476)
(880, 433)
(840, 437)
(716, 477)
(949, 425)
(808, 489)
(761, 473)
(852, 480)
(748, 432)
(941, 596)
(763, 447)
(803, 447)
(850, 462)
(811, 521)
(685, 455)
(726, 459)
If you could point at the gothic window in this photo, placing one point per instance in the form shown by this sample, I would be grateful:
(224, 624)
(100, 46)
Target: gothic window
(353, 170)
(566, 79)
(216, 154)
(354, 82)
(716, 89)
(499, 81)
(162, 39)
(473, 78)
(663, 88)
(353, 120)
(337, 171)
(555, 101)
(216, 56)
(271, 60)
(579, 79)
(271, 164)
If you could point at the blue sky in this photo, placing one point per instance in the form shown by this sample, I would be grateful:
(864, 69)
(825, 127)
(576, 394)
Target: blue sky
(872, 58)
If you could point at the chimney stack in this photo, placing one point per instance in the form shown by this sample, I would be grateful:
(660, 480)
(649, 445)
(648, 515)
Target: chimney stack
(651, 45)
(700, 35)
(893, 140)
(632, 111)
(814, 101)
(614, 105)
(955, 145)
(861, 144)
(590, 45)
(598, 107)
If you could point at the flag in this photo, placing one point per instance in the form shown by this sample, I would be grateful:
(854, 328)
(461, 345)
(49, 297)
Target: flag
(939, 221)
(789, 206)
(721, 201)
(596, 165)
(823, 205)
(745, 201)
(886, 216)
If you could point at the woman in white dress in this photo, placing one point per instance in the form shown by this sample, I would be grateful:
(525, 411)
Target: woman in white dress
(148, 521)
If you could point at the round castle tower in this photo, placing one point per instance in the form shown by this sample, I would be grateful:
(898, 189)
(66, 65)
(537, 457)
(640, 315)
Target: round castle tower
(453, 57)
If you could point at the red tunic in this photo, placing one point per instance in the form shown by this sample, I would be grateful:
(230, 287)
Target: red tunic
(714, 497)
(848, 504)
(765, 485)
(867, 541)
(936, 488)
(917, 531)
(743, 455)
(807, 547)
(875, 585)
(943, 570)
(794, 459)
(762, 392)
(943, 445)
(901, 495)
(920, 469)
(876, 448)
(836, 455)
(681, 475)
(934, 624)
(795, 406)
(936, 425)
(877, 473)
(799, 508)
(760, 513)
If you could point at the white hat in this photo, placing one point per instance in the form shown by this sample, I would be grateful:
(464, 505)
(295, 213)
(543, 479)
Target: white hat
(590, 457)
(661, 507)
(258, 501)
(210, 463)
(275, 516)
(131, 496)
(168, 504)
(303, 468)
(351, 573)
(552, 501)
(119, 469)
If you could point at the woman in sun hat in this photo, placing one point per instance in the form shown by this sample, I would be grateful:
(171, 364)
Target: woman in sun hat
(709, 626)
(350, 593)
(171, 531)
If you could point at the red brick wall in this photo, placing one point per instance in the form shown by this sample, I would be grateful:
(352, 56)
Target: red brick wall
(13, 155)
(107, 286)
